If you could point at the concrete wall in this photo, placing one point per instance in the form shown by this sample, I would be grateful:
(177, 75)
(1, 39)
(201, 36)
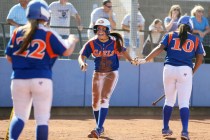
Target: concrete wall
(137, 86)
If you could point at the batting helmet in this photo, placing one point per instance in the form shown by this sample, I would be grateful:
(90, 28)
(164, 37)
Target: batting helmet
(187, 21)
(38, 9)
(102, 22)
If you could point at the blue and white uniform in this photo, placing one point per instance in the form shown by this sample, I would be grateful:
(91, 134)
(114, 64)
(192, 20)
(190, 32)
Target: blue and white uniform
(177, 77)
(32, 69)
(177, 74)
(105, 76)
(32, 76)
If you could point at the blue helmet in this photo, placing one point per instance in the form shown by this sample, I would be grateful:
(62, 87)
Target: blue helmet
(187, 21)
(38, 9)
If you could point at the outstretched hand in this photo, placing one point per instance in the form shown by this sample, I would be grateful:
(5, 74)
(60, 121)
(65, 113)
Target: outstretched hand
(72, 39)
(135, 61)
(141, 61)
(84, 66)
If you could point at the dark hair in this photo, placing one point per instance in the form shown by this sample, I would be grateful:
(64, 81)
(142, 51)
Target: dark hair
(183, 29)
(28, 30)
(119, 40)
(106, 1)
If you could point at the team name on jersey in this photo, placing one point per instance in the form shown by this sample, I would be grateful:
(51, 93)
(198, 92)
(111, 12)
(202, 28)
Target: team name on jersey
(104, 53)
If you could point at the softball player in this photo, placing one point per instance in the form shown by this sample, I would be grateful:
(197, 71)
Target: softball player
(32, 50)
(105, 48)
(181, 47)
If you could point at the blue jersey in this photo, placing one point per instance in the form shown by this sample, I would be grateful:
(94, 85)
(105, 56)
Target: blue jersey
(181, 55)
(105, 54)
(38, 59)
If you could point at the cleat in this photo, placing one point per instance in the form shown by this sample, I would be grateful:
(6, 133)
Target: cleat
(166, 132)
(94, 134)
(102, 131)
(185, 136)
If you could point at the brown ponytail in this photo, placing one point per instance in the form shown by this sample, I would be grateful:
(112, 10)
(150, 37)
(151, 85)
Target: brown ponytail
(28, 30)
(119, 40)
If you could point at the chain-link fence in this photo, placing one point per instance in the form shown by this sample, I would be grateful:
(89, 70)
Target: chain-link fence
(150, 9)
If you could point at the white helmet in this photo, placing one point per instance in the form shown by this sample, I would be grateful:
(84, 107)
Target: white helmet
(102, 22)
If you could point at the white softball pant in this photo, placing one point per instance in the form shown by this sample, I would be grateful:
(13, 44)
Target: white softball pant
(103, 85)
(37, 91)
(177, 80)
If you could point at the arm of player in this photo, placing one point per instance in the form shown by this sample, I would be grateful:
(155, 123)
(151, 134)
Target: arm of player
(9, 59)
(155, 52)
(72, 41)
(198, 62)
(128, 57)
(81, 60)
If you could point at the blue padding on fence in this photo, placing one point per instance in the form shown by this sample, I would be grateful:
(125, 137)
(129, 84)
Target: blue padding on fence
(201, 86)
(88, 83)
(126, 92)
(151, 83)
(68, 84)
(5, 74)
(137, 86)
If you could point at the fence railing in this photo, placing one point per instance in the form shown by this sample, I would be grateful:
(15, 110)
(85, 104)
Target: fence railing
(5, 37)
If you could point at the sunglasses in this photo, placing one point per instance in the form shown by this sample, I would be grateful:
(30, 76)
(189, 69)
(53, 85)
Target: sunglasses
(108, 6)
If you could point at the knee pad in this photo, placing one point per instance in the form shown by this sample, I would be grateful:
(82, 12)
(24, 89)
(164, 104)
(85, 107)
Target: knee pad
(105, 103)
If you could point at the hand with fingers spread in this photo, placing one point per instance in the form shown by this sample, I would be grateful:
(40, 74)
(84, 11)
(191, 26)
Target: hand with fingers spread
(84, 66)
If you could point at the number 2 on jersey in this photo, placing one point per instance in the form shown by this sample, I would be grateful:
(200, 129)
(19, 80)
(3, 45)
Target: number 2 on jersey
(38, 53)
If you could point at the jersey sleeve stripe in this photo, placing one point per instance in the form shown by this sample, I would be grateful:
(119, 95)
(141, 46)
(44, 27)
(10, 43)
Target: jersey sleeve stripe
(14, 36)
(196, 43)
(170, 38)
(92, 45)
(48, 46)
